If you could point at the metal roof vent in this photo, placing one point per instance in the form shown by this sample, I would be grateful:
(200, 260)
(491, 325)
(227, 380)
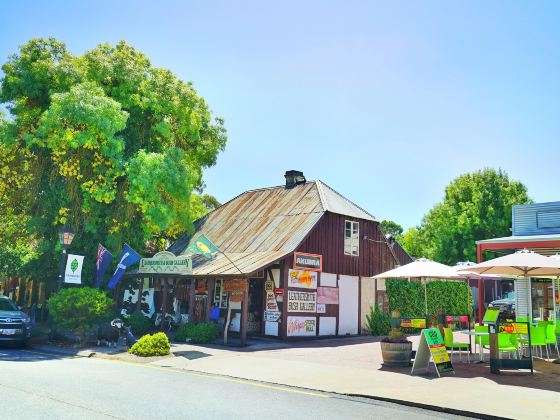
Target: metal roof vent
(294, 178)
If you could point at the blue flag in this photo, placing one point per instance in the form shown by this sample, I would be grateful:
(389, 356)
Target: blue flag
(127, 258)
(104, 258)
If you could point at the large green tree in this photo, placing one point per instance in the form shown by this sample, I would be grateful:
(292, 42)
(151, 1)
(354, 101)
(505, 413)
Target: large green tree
(476, 206)
(104, 142)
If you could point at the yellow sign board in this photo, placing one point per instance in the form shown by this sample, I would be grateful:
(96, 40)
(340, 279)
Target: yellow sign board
(513, 328)
(439, 353)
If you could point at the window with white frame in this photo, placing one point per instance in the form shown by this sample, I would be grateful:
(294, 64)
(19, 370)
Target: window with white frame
(351, 238)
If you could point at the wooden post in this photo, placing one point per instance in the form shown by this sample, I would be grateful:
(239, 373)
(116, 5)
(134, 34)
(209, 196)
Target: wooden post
(192, 290)
(494, 352)
(210, 300)
(140, 291)
(165, 299)
(244, 315)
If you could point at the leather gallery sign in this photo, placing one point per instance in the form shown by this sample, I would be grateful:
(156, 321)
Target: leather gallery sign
(308, 262)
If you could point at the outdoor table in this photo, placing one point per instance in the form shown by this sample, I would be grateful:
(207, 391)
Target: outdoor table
(477, 334)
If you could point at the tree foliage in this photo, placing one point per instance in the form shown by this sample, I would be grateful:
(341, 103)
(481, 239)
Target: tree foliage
(475, 206)
(104, 142)
(391, 228)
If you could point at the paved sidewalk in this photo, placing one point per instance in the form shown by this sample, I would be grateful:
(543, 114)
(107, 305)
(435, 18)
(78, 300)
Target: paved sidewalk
(353, 366)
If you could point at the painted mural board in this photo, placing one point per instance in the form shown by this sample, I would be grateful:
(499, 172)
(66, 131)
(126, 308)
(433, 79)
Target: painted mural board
(328, 295)
(302, 279)
(302, 326)
(302, 301)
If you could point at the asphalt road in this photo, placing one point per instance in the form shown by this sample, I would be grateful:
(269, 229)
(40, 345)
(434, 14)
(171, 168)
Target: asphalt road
(43, 386)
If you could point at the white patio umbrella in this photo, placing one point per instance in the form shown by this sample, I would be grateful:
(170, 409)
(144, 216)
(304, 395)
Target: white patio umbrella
(422, 269)
(523, 263)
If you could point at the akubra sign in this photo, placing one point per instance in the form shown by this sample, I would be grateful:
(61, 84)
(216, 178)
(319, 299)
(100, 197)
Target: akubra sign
(308, 262)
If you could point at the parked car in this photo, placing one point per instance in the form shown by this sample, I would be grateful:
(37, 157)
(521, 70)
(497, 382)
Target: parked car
(15, 325)
(506, 307)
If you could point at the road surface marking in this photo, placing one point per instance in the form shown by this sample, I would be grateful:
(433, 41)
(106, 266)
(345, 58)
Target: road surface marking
(199, 374)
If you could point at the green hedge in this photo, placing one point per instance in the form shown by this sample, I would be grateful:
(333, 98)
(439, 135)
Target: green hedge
(453, 297)
(203, 332)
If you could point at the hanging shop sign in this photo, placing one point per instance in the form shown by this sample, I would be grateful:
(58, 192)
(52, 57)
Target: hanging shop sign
(308, 262)
(233, 286)
(166, 262)
(302, 301)
(328, 295)
(73, 273)
(431, 346)
(302, 326)
(303, 279)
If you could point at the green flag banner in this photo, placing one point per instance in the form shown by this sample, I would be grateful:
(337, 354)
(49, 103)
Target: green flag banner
(203, 246)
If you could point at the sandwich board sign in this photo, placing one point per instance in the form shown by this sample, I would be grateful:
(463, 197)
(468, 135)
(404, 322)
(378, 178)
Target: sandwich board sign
(431, 348)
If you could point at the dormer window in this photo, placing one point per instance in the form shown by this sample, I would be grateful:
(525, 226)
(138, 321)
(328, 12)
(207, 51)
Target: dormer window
(351, 238)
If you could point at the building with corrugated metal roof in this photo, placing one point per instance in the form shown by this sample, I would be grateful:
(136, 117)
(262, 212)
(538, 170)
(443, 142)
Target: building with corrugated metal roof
(305, 252)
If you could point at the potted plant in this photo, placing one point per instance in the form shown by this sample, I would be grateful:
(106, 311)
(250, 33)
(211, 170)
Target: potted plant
(396, 349)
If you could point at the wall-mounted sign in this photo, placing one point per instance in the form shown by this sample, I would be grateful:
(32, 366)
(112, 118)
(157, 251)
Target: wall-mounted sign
(309, 262)
(166, 263)
(231, 286)
(279, 292)
(321, 308)
(272, 316)
(303, 279)
(302, 301)
(271, 303)
(302, 326)
(327, 295)
(73, 273)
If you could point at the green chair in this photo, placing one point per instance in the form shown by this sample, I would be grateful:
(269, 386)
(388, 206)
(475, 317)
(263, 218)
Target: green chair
(505, 343)
(538, 339)
(482, 340)
(550, 337)
(452, 345)
(522, 319)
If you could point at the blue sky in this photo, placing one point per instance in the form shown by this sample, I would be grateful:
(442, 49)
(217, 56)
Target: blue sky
(386, 102)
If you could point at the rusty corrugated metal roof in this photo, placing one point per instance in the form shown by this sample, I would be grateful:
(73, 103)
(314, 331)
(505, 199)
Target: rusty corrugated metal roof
(231, 264)
(261, 226)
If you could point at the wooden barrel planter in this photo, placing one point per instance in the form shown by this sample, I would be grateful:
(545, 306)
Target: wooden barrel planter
(396, 354)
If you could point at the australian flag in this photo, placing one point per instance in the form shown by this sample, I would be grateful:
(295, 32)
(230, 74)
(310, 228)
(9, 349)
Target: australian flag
(104, 258)
(127, 258)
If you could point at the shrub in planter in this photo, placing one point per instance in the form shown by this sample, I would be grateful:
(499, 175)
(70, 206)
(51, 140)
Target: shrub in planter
(395, 348)
(139, 324)
(377, 322)
(202, 332)
(151, 345)
(79, 309)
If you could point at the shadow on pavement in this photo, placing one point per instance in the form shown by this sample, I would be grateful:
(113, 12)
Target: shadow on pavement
(191, 355)
(546, 374)
(15, 354)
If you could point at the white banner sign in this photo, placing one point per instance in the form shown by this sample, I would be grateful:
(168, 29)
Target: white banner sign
(302, 301)
(302, 326)
(73, 273)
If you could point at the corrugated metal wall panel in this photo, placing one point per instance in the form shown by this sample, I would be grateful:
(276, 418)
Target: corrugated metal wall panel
(536, 219)
(522, 297)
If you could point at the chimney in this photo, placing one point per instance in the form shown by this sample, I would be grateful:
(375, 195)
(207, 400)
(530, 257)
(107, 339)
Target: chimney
(294, 178)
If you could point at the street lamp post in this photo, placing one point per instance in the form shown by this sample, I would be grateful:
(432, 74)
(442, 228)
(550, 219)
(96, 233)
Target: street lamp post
(65, 236)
